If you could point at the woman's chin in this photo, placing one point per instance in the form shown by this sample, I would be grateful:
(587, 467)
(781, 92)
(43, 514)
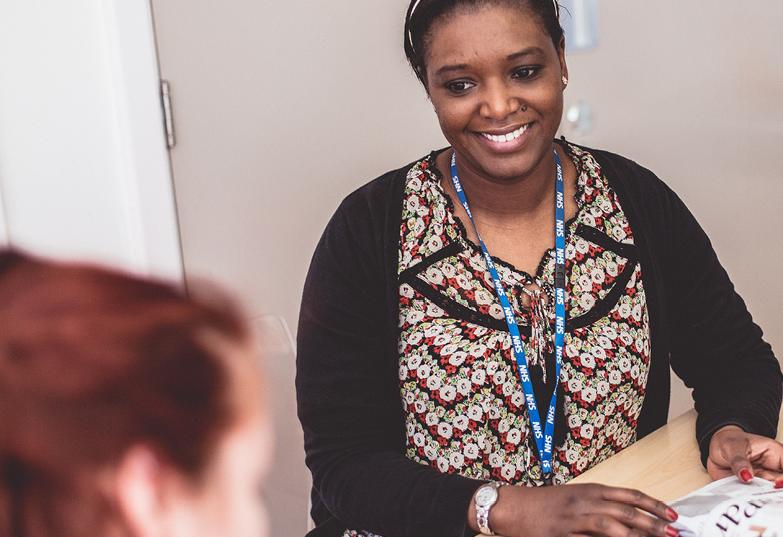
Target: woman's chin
(508, 168)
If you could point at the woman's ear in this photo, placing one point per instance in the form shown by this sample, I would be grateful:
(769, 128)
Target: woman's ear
(139, 491)
(561, 54)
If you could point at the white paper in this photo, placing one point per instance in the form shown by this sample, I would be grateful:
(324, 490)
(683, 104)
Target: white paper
(730, 508)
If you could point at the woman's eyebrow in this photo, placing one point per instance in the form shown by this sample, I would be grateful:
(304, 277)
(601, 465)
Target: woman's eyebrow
(525, 52)
(530, 51)
(449, 68)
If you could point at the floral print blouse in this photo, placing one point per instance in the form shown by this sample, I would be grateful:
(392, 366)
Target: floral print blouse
(459, 385)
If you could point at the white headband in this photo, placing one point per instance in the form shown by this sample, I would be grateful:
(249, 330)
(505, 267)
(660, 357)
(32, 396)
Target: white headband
(410, 16)
(413, 10)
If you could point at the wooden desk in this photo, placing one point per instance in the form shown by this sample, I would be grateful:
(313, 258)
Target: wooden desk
(664, 464)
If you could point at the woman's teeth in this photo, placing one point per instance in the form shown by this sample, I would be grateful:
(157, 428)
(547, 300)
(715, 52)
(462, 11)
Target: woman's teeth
(503, 138)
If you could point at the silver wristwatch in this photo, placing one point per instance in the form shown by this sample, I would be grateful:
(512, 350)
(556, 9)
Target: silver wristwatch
(486, 496)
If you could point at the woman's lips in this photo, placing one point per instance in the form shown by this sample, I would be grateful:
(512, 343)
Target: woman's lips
(506, 142)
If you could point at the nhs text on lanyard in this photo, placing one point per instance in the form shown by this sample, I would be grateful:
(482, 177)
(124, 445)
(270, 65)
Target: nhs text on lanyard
(543, 437)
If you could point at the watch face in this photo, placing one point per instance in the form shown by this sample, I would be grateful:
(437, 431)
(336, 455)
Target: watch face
(486, 495)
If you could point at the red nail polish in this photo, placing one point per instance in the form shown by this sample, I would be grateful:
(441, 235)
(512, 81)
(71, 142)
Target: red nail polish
(779, 484)
(745, 475)
(671, 532)
(671, 514)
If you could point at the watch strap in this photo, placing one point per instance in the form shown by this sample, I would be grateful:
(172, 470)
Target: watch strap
(482, 512)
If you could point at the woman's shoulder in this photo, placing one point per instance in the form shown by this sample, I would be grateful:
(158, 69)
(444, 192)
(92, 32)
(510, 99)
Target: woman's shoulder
(382, 193)
(636, 184)
(613, 161)
(653, 207)
(370, 215)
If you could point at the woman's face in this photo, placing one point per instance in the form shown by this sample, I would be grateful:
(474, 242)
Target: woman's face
(230, 500)
(227, 498)
(495, 80)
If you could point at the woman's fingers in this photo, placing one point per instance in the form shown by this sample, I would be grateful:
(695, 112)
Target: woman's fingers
(737, 453)
(640, 500)
(769, 475)
(627, 506)
(716, 472)
(608, 526)
(766, 453)
(730, 450)
(745, 455)
(646, 525)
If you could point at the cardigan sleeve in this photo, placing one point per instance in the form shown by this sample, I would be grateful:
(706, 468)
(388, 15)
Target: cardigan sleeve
(716, 348)
(349, 401)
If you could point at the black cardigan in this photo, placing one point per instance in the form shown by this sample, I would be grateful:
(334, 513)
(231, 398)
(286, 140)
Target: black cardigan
(347, 381)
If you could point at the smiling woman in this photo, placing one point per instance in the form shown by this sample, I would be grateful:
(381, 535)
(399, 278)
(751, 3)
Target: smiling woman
(505, 312)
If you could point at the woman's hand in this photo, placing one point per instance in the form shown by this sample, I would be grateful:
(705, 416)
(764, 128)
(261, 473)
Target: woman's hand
(735, 452)
(580, 510)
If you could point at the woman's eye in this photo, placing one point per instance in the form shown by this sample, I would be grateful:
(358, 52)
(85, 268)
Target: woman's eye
(459, 86)
(525, 72)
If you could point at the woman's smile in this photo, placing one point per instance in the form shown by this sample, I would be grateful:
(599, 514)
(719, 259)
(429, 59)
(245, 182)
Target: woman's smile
(507, 140)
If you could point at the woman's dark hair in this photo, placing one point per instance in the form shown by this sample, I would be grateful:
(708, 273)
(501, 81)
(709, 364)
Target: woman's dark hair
(92, 363)
(422, 15)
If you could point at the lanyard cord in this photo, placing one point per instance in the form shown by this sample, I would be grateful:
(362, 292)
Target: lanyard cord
(543, 438)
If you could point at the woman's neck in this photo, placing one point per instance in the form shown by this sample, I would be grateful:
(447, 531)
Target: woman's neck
(507, 200)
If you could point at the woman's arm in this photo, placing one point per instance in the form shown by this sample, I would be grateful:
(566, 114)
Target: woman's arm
(717, 349)
(349, 399)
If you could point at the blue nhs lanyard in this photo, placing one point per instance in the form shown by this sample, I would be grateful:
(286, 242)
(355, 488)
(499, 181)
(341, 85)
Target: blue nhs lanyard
(543, 438)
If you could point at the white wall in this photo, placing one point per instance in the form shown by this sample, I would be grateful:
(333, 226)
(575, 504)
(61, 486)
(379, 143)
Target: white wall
(692, 90)
(84, 171)
(281, 110)
(3, 231)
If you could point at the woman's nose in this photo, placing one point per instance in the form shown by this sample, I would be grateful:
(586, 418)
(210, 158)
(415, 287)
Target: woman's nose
(498, 102)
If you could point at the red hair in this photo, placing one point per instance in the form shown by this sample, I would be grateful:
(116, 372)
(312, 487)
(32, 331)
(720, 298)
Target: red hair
(93, 362)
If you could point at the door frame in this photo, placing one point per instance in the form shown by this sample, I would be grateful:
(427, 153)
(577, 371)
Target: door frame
(142, 151)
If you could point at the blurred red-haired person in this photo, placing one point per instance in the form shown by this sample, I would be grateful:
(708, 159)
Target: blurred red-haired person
(127, 409)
